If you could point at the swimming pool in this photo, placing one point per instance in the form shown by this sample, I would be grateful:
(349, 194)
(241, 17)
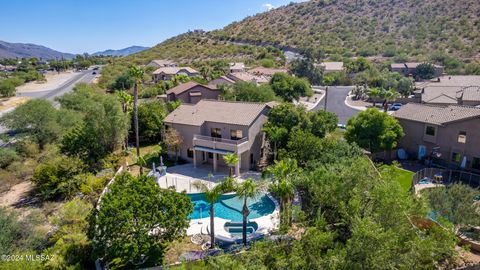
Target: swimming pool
(230, 207)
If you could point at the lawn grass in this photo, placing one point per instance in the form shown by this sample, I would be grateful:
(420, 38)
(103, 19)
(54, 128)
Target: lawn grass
(402, 176)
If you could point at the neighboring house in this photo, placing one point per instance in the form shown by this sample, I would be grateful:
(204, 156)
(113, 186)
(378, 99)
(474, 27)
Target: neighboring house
(211, 129)
(450, 134)
(7, 68)
(267, 72)
(329, 67)
(248, 77)
(462, 90)
(162, 63)
(167, 73)
(237, 67)
(410, 68)
(223, 80)
(192, 92)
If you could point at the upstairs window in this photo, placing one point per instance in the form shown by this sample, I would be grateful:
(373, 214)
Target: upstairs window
(430, 131)
(476, 163)
(456, 157)
(236, 134)
(216, 132)
(462, 137)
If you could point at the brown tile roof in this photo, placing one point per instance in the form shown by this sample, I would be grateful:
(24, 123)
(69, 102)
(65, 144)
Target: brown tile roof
(432, 93)
(435, 114)
(174, 70)
(248, 77)
(471, 93)
(397, 65)
(452, 80)
(163, 62)
(229, 112)
(267, 71)
(187, 86)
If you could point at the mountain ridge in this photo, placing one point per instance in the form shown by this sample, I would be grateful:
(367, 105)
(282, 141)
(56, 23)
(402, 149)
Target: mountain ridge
(28, 50)
(121, 52)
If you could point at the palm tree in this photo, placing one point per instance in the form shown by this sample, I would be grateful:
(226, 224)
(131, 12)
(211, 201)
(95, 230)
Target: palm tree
(126, 100)
(390, 96)
(282, 174)
(137, 75)
(374, 93)
(231, 160)
(245, 190)
(275, 135)
(212, 195)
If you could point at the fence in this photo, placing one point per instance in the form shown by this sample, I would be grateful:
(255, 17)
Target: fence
(448, 176)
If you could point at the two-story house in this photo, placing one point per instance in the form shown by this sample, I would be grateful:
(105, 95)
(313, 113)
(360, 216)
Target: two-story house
(167, 73)
(211, 129)
(451, 134)
(192, 92)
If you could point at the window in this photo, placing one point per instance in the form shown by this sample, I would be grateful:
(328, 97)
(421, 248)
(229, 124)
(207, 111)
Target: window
(462, 137)
(430, 130)
(190, 152)
(235, 134)
(216, 132)
(456, 157)
(210, 156)
(476, 163)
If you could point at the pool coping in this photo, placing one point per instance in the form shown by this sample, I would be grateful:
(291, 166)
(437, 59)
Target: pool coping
(266, 224)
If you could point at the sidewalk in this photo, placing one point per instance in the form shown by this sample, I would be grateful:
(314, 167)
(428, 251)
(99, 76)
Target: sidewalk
(312, 102)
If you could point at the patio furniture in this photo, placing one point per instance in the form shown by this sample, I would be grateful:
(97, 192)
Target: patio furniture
(438, 177)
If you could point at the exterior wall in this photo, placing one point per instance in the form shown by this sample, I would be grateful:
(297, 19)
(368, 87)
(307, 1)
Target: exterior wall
(446, 138)
(470, 103)
(206, 94)
(187, 132)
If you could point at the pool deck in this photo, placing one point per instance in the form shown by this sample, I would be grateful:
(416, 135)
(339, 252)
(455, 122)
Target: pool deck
(182, 177)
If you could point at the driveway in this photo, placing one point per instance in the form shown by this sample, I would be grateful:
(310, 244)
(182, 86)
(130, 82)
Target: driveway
(335, 99)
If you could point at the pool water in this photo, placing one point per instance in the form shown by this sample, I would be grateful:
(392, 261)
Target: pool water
(230, 207)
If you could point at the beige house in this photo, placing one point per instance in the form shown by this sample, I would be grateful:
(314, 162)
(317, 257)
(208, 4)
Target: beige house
(410, 68)
(223, 80)
(192, 92)
(211, 129)
(237, 67)
(461, 90)
(329, 67)
(267, 72)
(162, 63)
(451, 135)
(167, 73)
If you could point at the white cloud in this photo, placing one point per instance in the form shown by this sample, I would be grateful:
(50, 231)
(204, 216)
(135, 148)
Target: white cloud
(268, 6)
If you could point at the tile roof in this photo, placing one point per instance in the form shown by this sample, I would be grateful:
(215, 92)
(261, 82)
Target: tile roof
(267, 71)
(397, 65)
(471, 93)
(431, 93)
(229, 112)
(435, 114)
(187, 86)
(248, 77)
(452, 80)
(237, 65)
(163, 62)
(332, 66)
(174, 70)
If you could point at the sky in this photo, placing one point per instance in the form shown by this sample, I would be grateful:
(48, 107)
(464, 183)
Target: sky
(79, 26)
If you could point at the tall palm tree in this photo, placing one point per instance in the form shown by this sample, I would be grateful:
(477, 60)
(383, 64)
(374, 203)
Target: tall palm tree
(247, 189)
(212, 195)
(231, 160)
(390, 96)
(126, 100)
(282, 174)
(137, 75)
(275, 135)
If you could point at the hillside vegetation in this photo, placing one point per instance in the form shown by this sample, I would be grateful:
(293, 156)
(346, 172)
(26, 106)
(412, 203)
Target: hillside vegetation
(415, 28)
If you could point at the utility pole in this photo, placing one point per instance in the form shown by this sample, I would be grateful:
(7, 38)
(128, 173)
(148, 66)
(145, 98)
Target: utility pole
(326, 98)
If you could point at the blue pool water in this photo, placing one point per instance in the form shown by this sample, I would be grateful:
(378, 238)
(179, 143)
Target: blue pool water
(230, 207)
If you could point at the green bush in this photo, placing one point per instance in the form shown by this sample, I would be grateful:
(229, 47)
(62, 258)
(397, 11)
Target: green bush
(7, 88)
(7, 156)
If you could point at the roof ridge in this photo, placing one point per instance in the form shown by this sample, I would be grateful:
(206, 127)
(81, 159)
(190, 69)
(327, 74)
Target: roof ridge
(233, 101)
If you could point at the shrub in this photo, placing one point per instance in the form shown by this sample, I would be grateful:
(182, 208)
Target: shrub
(7, 156)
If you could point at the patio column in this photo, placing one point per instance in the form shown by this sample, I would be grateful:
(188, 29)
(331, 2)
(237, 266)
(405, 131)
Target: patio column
(214, 162)
(237, 166)
(194, 158)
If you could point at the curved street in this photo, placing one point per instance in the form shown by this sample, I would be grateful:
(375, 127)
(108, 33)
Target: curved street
(335, 99)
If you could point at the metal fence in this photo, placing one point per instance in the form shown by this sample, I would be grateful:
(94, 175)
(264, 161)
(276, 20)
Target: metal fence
(448, 176)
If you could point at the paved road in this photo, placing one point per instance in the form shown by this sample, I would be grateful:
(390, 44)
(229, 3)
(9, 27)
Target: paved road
(336, 103)
(84, 76)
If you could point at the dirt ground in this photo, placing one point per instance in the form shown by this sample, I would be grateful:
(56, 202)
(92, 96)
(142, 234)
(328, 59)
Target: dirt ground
(53, 80)
(15, 194)
(11, 102)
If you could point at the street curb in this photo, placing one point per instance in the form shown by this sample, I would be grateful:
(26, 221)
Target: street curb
(358, 108)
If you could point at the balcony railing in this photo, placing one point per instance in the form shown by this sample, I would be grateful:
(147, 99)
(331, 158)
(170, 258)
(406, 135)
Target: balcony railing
(236, 146)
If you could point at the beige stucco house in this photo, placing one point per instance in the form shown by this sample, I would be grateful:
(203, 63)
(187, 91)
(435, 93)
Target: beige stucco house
(167, 73)
(211, 129)
(451, 133)
(192, 92)
(162, 63)
(410, 69)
